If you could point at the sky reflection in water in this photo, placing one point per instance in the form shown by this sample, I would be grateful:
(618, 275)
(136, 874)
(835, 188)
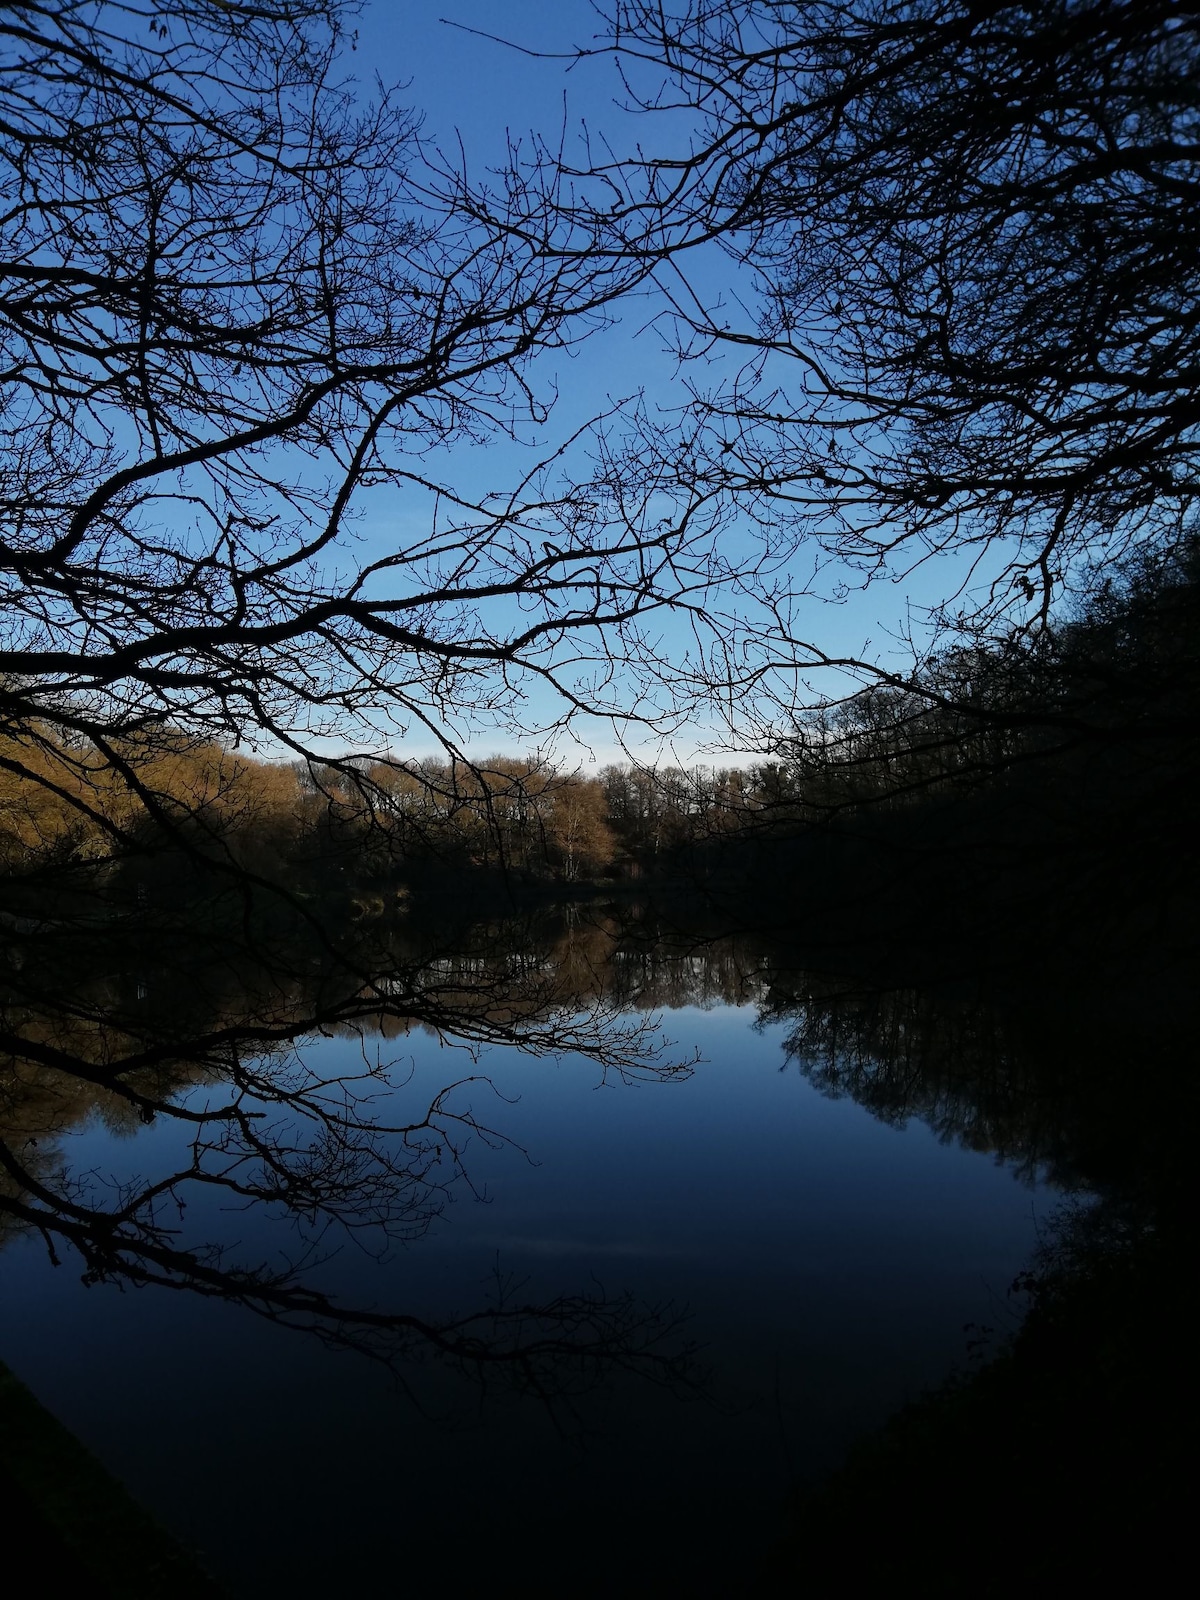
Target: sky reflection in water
(830, 1262)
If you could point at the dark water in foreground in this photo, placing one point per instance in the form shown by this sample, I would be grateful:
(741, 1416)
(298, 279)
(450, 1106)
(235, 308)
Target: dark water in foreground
(829, 1262)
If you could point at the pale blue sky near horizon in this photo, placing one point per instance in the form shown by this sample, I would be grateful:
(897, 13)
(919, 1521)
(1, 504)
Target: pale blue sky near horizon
(472, 91)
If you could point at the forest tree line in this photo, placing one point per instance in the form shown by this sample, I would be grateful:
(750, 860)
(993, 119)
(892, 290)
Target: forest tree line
(1102, 704)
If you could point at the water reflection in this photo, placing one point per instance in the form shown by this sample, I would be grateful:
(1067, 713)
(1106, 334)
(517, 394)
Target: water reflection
(1066, 1456)
(349, 1081)
(207, 1024)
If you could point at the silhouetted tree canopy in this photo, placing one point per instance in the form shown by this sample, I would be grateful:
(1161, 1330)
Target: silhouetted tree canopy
(973, 227)
(235, 296)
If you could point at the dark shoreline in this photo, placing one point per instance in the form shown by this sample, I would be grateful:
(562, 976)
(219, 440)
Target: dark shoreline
(76, 1523)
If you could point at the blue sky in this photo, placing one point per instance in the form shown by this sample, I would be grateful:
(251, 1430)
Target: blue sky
(472, 90)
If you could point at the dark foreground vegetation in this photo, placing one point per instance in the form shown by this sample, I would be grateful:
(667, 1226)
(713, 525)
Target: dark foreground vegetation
(1012, 957)
(86, 1531)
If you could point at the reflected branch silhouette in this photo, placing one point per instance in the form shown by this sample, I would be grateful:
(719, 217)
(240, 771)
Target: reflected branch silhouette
(164, 1019)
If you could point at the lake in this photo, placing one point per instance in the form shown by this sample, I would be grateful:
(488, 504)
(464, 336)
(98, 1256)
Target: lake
(828, 1261)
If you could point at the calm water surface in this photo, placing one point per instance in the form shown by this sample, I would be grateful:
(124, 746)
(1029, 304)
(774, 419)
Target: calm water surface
(829, 1262)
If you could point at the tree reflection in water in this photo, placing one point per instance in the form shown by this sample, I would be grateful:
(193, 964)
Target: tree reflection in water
(135, 1011)
(1064, 1458)
(132, 1013)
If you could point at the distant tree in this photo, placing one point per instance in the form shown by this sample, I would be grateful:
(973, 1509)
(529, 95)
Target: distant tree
(577, 827)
